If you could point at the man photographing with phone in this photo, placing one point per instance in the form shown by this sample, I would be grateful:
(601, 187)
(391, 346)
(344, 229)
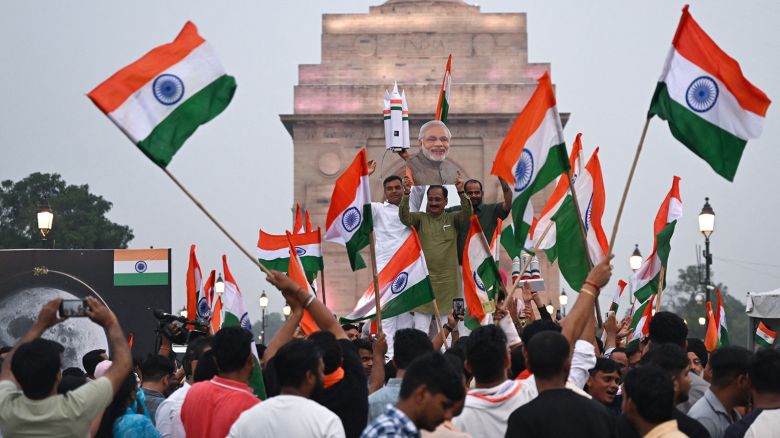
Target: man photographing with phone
(34, 367)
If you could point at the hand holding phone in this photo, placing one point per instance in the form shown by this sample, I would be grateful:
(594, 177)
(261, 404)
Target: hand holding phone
(458, 307)
(72, 308)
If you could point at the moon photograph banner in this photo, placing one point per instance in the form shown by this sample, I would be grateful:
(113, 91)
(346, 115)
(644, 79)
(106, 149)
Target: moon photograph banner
(31, 278)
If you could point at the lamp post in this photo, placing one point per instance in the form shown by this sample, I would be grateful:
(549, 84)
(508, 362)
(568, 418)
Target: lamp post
(707, 227)
(564, 300)
(263, 305)
(219, 286)
(286, 310)
(183, 312)
(702, 320)
(45, 218)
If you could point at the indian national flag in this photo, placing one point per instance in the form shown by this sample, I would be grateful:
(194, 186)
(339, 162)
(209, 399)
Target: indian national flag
(216, 319)
(765, 336)
(710, 106)
(508, 241)
(273, 251)
(208, 292)
(161, 99)
(532, 154)
(616, 298)
(570, 252)
(403, 284)
(645, 281)
(711, 336)
(297, 274)
(720, 317)
(480, 276)
(556, 199)
(443, 105)
(349, 220)
(195, 294)
(235, 314)
(298, 225)
(141, 267)
(494, 240)
(640, 323)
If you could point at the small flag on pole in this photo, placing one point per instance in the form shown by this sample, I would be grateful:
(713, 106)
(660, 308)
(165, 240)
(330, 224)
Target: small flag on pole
(141, 267)
(480, 276)
(765, 336)
(616, 298)
(296, 273)
(273, 251)
(161, 99)
(197, 305)
(443, 105)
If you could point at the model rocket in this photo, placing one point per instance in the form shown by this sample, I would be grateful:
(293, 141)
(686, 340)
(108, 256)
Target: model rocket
(396, 116)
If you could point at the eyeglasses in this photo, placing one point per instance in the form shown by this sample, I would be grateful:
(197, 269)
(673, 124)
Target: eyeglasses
(433, 139)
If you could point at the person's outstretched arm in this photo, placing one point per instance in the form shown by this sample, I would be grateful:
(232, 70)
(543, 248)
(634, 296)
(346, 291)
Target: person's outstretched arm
(47, 317)
(507, 204)
(285, 332)
(121, 359)
(319, 313)
(378, 351)
(583, 309)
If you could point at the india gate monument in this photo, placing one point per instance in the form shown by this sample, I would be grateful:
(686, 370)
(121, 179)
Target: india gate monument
(338, 106)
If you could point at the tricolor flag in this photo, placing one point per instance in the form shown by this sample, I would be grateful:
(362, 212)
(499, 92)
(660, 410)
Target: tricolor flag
(295, 271)
(141, 267)
(569, 250)
(216, 316)
(494, 240)
(711, 107)
(532, 154)
(640, 323)
(720, 317)
(556, 199)
(197, 303)
(307, 226)
(711, 336)
(765, 336)
(508, 241)
(645, 281)
(480, 276)
(208, 293)
(616, 298)
(298, 225)
(443, 105)
(349, 220)
(273, 251)
(403, 284)
(235, 314)
(161, 99)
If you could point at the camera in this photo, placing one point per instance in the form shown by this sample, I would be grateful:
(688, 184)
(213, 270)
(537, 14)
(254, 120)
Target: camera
(72, 308)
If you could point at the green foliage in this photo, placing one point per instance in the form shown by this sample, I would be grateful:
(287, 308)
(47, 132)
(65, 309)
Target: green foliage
(681, 299)
(79, 216)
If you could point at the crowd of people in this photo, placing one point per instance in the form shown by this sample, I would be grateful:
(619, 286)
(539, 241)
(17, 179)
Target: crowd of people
(525, 373)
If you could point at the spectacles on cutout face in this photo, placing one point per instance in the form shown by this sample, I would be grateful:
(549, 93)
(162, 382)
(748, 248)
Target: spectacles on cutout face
(433, 139)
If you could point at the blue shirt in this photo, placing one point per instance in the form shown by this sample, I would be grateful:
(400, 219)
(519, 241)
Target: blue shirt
(132, 425)
(392, 424)
(378, 401)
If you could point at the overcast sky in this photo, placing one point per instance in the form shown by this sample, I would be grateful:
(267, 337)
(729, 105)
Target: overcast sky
(606, 57)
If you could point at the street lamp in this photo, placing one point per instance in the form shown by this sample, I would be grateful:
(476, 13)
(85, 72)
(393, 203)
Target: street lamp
(286, 310)
(45, 218)
(707, 227)
(564, 300)
(702, 320)
(635, 261)
(550, 309)
(183, 312)
(263, 305)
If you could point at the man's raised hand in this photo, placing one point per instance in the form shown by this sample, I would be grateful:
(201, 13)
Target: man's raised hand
(99, 313)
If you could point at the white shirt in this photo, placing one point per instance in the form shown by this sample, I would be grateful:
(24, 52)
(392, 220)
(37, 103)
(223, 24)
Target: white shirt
(486, 411)
(168, 417)
(389, 231)
(287, 416)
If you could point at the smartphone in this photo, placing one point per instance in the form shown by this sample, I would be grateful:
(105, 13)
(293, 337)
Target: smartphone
(459, 306)
(72, 308)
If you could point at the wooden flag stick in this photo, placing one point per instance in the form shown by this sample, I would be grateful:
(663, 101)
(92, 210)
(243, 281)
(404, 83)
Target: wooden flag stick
(221, 228)
(322, 286)
(439, 324)
(372, 247)
(660, 289)
(628, 185)
(584, 237)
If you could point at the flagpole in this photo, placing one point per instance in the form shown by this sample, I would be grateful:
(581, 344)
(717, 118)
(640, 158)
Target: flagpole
(322, 283)
(221, 228)
(439, 324)
(584, 238)
(628, 185)
(372, 247)
(660, 288)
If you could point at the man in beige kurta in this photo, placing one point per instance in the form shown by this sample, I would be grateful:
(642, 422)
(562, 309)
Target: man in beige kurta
(438, 232)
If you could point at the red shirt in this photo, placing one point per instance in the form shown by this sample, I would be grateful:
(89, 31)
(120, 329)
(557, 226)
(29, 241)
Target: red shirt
(211, 408)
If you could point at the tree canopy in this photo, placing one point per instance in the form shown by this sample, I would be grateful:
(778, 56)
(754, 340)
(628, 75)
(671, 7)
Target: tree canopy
(79, 216)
